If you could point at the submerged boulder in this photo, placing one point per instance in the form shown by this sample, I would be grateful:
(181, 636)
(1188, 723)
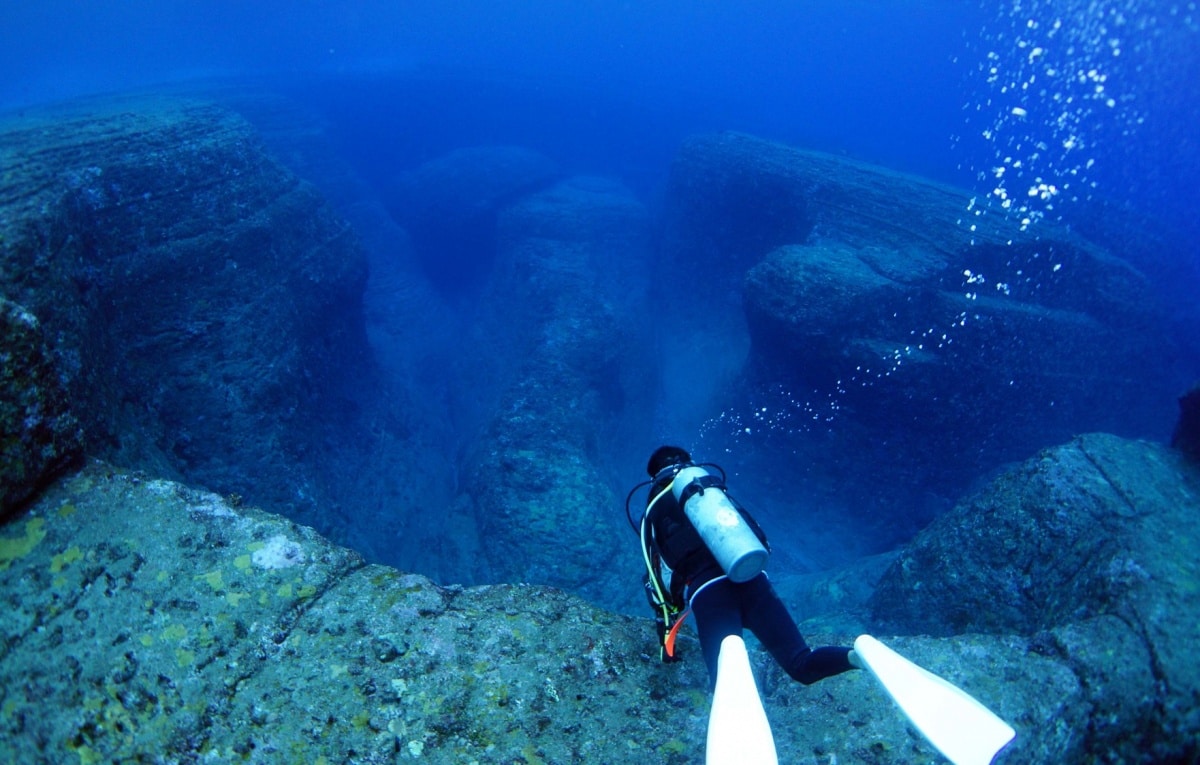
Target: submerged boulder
(1088, 551)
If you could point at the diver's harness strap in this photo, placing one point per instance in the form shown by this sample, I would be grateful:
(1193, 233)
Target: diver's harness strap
(698, 485)
(671, 614)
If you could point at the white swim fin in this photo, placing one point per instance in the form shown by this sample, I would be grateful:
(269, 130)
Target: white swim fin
(965, 731)
(738, 730)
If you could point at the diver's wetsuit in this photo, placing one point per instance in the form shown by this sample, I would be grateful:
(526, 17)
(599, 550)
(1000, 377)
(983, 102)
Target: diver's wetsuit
(723, 608)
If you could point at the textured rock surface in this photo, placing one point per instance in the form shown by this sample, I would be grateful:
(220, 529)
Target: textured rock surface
(202, 303)
(143, 618)
(185, 627)
(39, 435)
(536, 478)
(944, 341)
(1090, 550)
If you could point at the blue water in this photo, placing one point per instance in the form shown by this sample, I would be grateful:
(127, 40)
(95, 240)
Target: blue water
(1063, 110)
(605, 83)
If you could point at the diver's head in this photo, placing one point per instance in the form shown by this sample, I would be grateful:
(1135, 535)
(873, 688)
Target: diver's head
(666, 456)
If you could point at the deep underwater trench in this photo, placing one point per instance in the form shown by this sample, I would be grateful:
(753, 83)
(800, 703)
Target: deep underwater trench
(453, 347)
(537, 334)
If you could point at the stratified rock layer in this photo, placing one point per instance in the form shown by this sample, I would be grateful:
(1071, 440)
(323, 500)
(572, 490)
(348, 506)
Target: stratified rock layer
(203, 305)
(943, 340)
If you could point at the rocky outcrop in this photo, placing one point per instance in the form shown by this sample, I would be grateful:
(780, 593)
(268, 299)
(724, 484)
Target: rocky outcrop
(185, 627)
(145, 618)
(1088, 552)
(39, 436)
(202, 304)
(949, 340)
(555, 338)
(407, 458)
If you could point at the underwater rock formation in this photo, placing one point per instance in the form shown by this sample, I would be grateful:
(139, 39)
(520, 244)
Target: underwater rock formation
(145, 618)
(405, 461)
(204, 303)
(1089, 552)
(554, 340)
(39, 436)
(960, 340)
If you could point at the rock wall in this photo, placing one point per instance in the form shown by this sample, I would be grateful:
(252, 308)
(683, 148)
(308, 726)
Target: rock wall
(39, 435)
(394, 480)
(202, 305)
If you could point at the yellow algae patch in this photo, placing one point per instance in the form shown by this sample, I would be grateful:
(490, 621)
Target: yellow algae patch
(80, 483)
(174, 632)
(65, 558)
(307, 591)
(206, 638)
(235, 598)
(284, 591)
(66, 511)
(242, 562)
(146, 640)
(87, 755)
(184, 657)
(213, 578)
(12, 548)
(162, 576)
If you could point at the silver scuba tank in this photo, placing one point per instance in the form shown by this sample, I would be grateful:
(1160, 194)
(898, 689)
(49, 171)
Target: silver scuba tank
(730, 539)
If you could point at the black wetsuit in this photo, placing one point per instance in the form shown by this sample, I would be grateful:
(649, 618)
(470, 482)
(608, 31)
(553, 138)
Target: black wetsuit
(723, 608)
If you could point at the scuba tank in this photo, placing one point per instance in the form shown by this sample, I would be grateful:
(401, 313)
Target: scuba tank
(724, 531)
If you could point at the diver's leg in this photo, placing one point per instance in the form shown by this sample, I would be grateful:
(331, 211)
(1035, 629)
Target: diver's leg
(718, 616)
(769, 620)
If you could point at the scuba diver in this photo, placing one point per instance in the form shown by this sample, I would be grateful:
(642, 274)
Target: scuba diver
(705, 554)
